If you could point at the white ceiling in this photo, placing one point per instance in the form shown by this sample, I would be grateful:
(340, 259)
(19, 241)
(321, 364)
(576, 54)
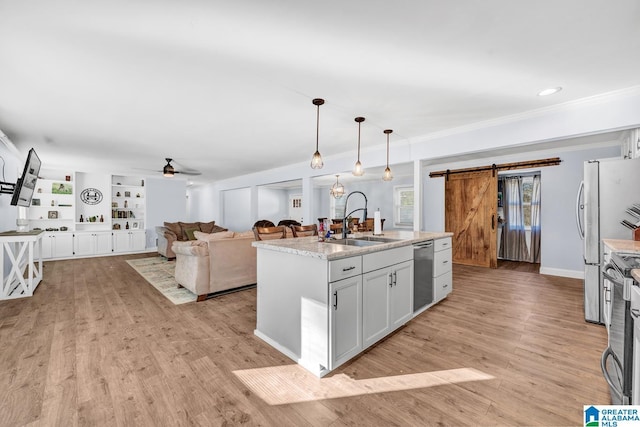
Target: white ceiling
(226, 87)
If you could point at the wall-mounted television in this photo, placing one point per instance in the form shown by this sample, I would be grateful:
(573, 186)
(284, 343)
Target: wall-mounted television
(26, 184)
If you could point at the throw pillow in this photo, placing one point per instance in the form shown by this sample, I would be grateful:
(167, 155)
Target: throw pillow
(174, 227)
(207, 227)
(189, 232)
(213, 236)
(218, 229)
(186, 225)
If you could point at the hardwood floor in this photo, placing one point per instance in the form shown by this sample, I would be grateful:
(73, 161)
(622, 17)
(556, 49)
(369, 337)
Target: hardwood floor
(98, 345)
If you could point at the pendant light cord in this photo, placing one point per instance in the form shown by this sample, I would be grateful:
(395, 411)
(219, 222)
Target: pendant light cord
(317, 127)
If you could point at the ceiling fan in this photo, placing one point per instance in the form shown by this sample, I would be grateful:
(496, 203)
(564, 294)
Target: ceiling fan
(169, 170)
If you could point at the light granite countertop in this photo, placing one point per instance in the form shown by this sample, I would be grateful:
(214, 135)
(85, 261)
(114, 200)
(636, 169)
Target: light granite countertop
(311, 247)
(636, 274)
(619, 245)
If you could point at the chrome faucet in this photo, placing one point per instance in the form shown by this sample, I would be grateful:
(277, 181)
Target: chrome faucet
(345, 226)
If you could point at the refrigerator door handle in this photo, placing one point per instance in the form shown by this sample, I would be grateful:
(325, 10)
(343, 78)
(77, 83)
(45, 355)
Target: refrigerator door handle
(579, 209)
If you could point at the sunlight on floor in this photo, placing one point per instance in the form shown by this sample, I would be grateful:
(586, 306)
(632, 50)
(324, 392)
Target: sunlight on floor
(279, 385)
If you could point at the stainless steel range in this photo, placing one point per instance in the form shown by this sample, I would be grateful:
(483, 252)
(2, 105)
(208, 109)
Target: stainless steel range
(617, 359)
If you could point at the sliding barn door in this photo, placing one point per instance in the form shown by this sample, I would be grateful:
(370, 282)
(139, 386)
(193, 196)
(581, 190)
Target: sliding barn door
(471, 201)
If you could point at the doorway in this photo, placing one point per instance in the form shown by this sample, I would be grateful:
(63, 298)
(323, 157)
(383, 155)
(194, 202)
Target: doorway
(519, 230)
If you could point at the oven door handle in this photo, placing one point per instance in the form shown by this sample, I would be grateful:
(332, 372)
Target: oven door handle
(609, 277)
(603, 365)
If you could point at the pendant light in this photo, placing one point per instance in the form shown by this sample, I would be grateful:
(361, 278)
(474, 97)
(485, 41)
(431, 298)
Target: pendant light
(357, 169)
(316, 160)
(387, 171)
(337, 190)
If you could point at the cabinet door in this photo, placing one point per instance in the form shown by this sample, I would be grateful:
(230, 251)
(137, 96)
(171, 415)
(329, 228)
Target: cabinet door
(345, 319)
(138, 240)
(121, 241)
(47, 244)
(103, 242)
(62, 246)
(376, 286)
(83, 244)
(401, 300)
(443, 285)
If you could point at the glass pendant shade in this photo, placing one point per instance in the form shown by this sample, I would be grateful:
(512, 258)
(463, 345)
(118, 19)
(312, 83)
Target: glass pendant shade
(357, 169)
(337, 190)
(316, 160)
(387, 176)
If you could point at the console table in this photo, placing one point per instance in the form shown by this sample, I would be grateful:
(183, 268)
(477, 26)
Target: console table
(23, 250)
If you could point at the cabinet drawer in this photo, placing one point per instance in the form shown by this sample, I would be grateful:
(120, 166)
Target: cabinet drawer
(441, 262)
(443, 285)
(442, 244)
(343, 268)
(385, 258)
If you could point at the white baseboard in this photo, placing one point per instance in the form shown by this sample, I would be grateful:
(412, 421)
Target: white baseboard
(562, 273)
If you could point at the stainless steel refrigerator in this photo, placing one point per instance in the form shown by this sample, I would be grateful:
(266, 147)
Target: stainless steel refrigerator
(610, 187)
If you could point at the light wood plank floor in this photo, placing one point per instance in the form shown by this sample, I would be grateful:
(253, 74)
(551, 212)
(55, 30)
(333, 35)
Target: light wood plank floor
(97, 345)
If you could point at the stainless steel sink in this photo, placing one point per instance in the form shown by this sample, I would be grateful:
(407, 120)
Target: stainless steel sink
(353, 242)
(377, 239)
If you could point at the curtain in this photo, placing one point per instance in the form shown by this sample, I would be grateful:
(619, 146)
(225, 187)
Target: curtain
(513, 245)
(535, 220)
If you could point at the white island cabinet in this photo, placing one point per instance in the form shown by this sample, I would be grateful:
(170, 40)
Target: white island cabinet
(321, 304)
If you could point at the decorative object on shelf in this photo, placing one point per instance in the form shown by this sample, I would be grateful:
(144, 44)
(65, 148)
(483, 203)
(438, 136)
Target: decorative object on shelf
(138, 195)
(81, 218)
(127, 194)
(142, 183)
(67, 178)
(64, 228)
(61, 188)
(337, 190)
(126, 204)
(53, 202)
(39, 190)
(91, 196)
(101, 218)
(135, 225)
(357, 169)
(116, 226)
(114, 204)
(316, 160)
(53, 215)
(64, 205)
(35, 202)
(127, 225)
(387, 171)
(118, 194)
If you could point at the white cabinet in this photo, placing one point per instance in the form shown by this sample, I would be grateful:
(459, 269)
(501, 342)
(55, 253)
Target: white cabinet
(57, 245)
(345, 319)
(387, 293)
(92, 243)
(129, 241)
(442, 274)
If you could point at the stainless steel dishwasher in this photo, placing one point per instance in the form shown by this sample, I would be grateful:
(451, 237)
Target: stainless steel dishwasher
(422, 274)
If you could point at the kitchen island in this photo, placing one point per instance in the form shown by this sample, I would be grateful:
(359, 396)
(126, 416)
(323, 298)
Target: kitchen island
(322, 303)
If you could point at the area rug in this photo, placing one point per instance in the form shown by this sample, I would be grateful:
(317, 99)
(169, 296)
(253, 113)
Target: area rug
(160, 274)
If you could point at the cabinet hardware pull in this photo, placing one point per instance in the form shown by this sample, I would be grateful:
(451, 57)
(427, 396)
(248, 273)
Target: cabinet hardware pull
(445, 286)
(446, 261)
(493, 222)
(349, 268)
(395, 278)
(335, 299)
(635, 313)
(390, 279)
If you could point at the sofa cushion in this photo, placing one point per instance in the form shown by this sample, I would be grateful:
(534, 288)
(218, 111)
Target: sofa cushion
(213, 236)
(207, 227)
(218, 229)
(174, 227)
(244, 234)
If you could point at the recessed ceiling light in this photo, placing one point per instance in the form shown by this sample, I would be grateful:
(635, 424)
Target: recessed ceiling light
(549, 91)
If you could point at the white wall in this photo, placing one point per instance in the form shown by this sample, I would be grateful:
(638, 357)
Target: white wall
(561, 250)
(236, 208)
(273, 204)
(166, 201)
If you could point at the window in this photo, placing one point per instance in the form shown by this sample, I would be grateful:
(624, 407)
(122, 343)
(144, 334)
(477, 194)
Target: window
(337, 206)
(403, 206)
(527, 192)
